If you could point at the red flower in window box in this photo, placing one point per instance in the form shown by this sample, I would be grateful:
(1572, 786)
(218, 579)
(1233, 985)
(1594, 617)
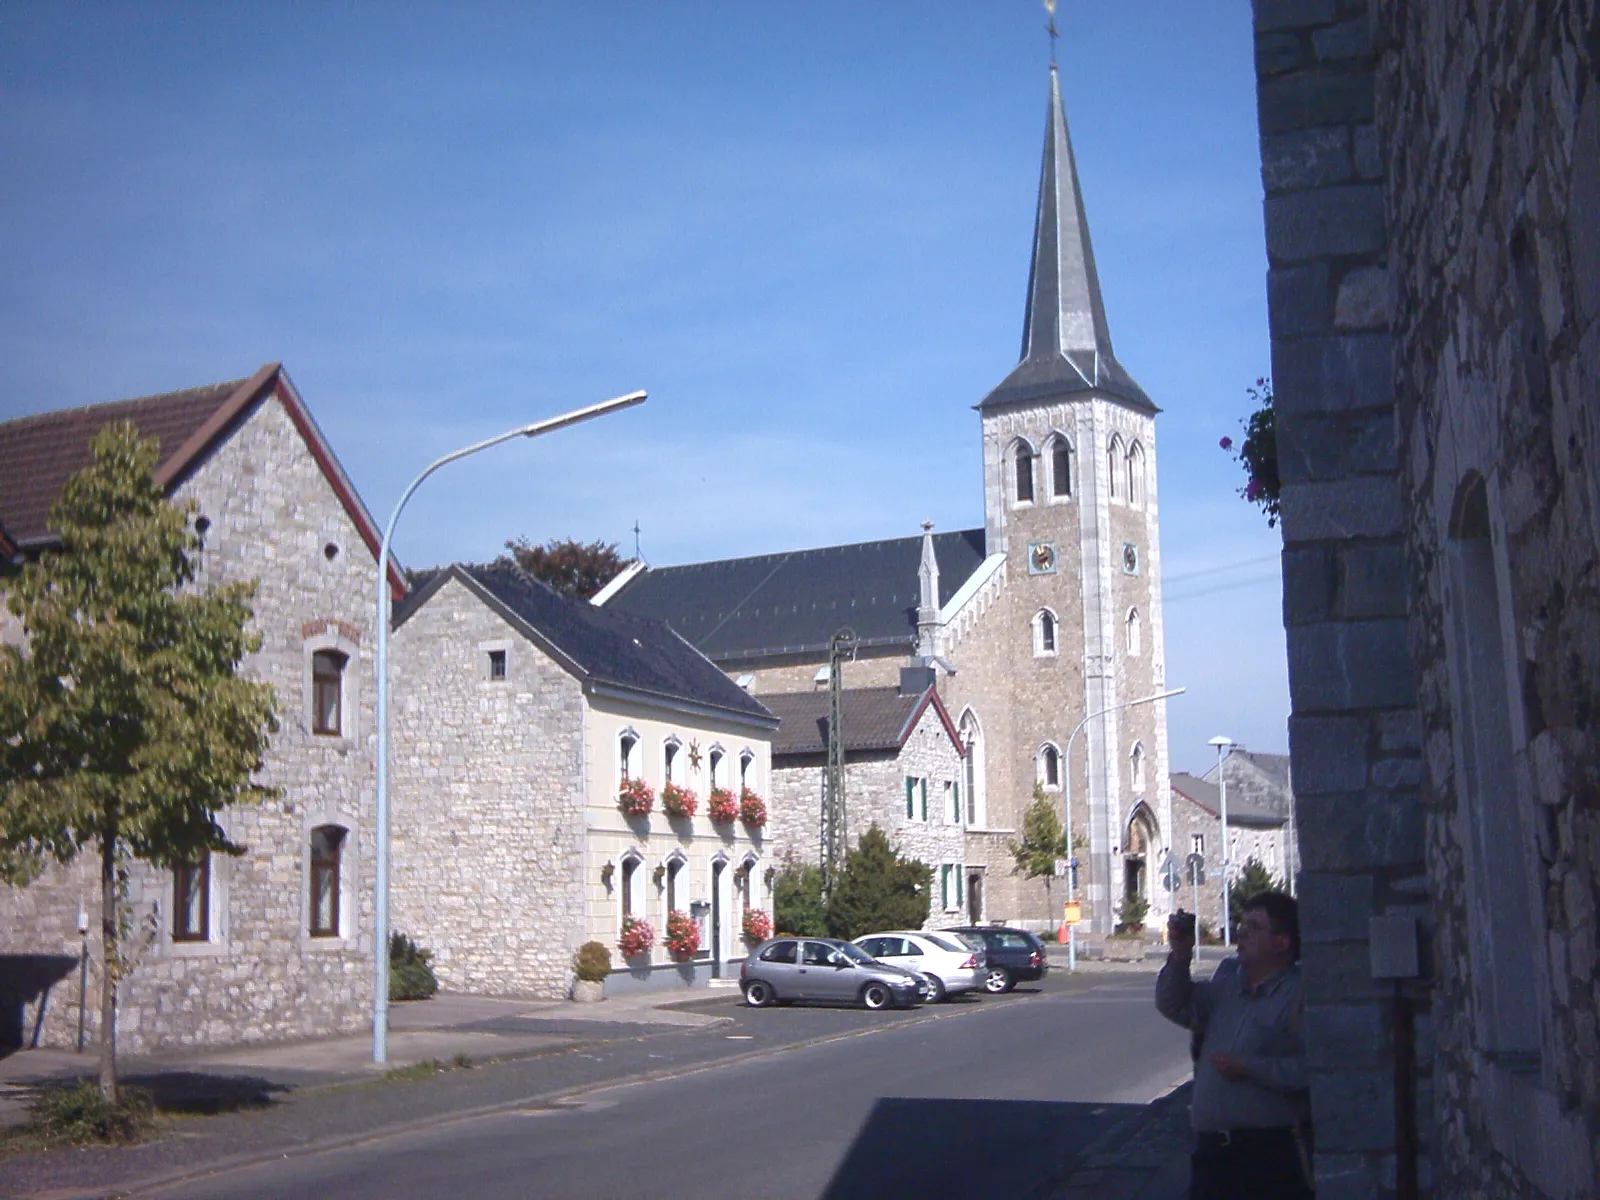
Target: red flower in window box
(683, 935)
(637, 937)
(752, 808)
(724, 808)
(679, 801)
(757, 924)
(636, 798)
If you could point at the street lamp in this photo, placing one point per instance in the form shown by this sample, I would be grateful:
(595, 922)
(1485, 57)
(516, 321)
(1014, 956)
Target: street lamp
(1066, 787)
(1222, 744)
(380, 996)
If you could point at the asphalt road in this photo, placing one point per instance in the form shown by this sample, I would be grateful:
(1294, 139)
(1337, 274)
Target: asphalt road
(988, 1098)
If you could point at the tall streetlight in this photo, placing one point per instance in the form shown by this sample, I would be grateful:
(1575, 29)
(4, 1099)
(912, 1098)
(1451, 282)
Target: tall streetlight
(380, 995)
(1222, 744)
(1066, 787)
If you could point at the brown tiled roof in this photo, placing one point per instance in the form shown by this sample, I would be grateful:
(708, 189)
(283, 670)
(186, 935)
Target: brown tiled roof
(38, 454)
(879, 718)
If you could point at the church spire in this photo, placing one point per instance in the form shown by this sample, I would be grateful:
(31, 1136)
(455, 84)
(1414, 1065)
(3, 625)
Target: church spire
(1066, 341)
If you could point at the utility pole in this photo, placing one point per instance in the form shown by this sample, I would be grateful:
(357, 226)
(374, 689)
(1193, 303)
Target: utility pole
(835, 840)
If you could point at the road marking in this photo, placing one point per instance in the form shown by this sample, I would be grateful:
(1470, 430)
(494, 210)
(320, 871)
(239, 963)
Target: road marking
(740, 1037)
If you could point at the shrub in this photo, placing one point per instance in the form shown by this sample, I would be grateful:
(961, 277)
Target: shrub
(1132, 911)
(724, 808)
(757, 924)
(1258, 453)
(410, 970)
(878, 889)
(679, 801)
(82, 1114)
(592, 963)
(797, 900)
(637, 937)
(752, 808)
(683, 935)
(636, 798)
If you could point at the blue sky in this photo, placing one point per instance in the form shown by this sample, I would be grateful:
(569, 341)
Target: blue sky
(804, 228)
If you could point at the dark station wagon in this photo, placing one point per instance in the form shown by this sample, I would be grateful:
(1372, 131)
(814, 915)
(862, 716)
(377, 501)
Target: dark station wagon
(1014, 955)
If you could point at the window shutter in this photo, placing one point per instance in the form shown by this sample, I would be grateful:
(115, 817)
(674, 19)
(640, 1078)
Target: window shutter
(955, 813)
(910, 794)
(944, 886)
(961, 883)
(924, 790)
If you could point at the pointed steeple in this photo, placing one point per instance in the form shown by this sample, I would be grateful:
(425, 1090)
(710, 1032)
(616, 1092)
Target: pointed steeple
(1066, 342)
(930, 634)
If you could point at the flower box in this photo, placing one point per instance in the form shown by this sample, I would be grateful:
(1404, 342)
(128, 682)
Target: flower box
(636, 798)
(724, 808)
(683, 935)
(679, 801)
(637, 937)
(752, 808)
(757, 924)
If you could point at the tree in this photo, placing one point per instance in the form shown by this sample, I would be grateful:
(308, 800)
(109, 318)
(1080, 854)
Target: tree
(571, 567)
(123, 723)
(878, 889)
(1253, 879)
(1043, 841)
(797, 905)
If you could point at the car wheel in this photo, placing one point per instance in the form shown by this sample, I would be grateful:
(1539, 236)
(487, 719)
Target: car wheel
(758, 994)
(936, 991)
(997, 980)
(877, 995)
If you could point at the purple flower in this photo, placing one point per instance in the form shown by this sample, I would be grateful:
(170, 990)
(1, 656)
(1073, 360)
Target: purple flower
(1226, 443)
(1252, 491)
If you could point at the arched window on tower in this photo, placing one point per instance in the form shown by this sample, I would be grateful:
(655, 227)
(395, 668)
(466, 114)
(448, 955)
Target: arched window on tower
(1060, 468)
(1134, 639)
(1049, 767)
(1136, 475)
(1022, 462)
(1114, 466)
(1136, 766)
(972, 768)
(1044, 634)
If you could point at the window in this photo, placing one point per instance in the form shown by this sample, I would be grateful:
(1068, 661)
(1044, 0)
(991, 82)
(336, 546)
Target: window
(916, 799)
(1113, 465)
(1023, 460)
(951, 878)
(497, 664)
(327, 693)
(714, 766)
(674, 869)
(1136, 475)
(191, 901)
(1044, 633)
(1049, 760)
(628, 754)
(745, 759)
(669, 758)
(630, 874)
(1060, 469)
(327, 843)
(779, 952)
(819, 954)
(1136, 766)
(1134, 638)
(922, 793)
(972, 741)
(875, 946)
(952, 791)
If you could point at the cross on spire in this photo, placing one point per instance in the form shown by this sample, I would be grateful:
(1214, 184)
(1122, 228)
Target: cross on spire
(1050, 27)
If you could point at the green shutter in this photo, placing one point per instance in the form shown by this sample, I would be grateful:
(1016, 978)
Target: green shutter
(911, 785)
(944, 886)
(924, 790)
(955, 792)
(961, 883)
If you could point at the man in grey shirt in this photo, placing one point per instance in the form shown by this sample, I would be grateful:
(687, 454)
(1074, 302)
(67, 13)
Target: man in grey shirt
(1250, 1106)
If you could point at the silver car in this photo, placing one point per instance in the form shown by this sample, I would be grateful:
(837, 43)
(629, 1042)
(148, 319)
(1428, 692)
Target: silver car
(950, 966)
(825, 969)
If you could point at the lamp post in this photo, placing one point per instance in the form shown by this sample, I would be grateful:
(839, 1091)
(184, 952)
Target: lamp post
(1222, 744)
(1066, 787)
(380, 995)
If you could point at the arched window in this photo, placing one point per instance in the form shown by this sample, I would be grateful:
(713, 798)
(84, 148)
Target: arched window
(191, 900)
(1136, 766)
(1114, 465)
(1060, 468)
(714, 767)
(1134, 637)
(327, 693)
(630, 884)
(1136, 475)
(327, 849)
(1044, 634)
(1022, 463)
(972, 767)
(628, 754)
(746, 758)
(1049, 767)
(675, 866)
(669, 759)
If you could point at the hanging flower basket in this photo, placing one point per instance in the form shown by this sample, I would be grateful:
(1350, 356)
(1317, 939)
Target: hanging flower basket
(724, 808)
(636, 798)
(752, 808)
(679, 801)
(637, 937)
(683, 935)
(757, 924)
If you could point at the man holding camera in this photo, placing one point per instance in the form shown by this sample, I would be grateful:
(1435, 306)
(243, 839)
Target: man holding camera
(1250, 1108)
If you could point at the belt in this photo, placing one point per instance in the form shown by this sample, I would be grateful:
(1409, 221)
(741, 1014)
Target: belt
(1230, 1137)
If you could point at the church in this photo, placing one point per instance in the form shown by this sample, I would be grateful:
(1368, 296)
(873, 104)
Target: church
(1042, 627)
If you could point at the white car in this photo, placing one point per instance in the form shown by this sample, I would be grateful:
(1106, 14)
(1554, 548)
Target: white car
(948, 963)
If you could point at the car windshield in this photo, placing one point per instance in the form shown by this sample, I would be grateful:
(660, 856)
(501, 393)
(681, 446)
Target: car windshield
(854, 953)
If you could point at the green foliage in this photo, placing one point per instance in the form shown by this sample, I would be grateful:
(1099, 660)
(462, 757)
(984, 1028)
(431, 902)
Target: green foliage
(797, 900)
(410, 970)
(1043, 840)
(81, 1114)
(592, 962)
(571, 567)
(1258, 453)
(1252, 879)
(124, 724)
(878, 889)
(1132, 911)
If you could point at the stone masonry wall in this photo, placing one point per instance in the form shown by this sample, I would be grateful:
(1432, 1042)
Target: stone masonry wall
(487, 816)
(261, 976)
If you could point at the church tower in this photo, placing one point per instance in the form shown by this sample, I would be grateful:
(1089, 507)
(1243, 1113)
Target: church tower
(1069, 468)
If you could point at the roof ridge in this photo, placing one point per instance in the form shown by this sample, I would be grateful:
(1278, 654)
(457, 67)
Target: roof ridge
(55, 414)
(786, 554)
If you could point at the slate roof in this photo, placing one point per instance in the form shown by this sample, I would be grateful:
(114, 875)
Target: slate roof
(1274, 766)
(879, 718)
(606, 650)
(777, 604)
(1240, 811)
(1066, 341)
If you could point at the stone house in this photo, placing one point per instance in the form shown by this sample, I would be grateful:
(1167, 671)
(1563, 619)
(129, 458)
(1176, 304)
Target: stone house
(1254, 831)
(1432, 175)
(518, 715)
(905, 771)
(275, 944)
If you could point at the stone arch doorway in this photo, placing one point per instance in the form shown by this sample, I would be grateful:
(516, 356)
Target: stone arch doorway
(1138, 845)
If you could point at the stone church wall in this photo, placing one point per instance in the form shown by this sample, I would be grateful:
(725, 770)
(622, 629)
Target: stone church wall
(261, 976)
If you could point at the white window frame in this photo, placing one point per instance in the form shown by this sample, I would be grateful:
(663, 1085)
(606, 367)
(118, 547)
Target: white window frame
(629, 760)
(1060, 441)
(1136, 766)
(1133, 633)
(1040, 650)
(1041, 773)
(971, 730)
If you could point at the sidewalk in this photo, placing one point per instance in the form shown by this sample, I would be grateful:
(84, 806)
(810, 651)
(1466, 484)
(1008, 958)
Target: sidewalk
(1143, 1158)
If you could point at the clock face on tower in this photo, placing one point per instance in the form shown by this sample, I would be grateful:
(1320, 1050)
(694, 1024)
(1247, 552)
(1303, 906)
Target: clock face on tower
(1130, 558)
(1042, 558)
